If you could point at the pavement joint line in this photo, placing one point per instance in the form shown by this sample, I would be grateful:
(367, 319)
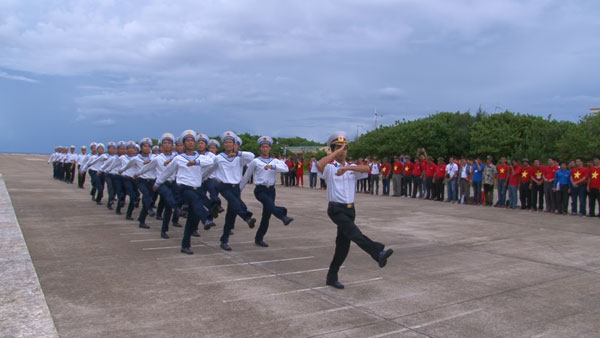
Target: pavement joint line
(263, 276)
(446, 318)
(190, 256)
(342, 308)
(389, 333)
(152, 239)
(171, 247)
(246, 263)
(300, 290)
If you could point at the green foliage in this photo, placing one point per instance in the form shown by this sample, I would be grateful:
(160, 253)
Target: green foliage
(504, 134)
(249, 143)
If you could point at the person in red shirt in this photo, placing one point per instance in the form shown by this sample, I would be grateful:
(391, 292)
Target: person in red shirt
(549, 172)
(290, 164)
(503, 170)
(526, 171)
(386, 174)
(593, 187)
(438, 180)
(417, 177)
(300, 173)
(397, 178)
(513, 183)
(407, 179)
(579, 176)
(430, 169)
(537, 187)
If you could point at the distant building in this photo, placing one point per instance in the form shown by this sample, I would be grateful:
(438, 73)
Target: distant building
(594, 111)
(301, 150)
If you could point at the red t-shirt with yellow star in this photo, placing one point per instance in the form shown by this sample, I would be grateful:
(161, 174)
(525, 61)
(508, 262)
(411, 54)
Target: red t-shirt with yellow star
(594, 177)
(538, 173)
(579, 173)
(386, 169)
(398, 167)
(502, 171)
(526, 174)
(408, 168)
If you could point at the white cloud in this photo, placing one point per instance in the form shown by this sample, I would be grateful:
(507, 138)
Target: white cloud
(5, 75)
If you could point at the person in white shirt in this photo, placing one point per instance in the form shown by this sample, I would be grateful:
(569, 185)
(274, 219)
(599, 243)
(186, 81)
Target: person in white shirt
(95, 164)
(312, 176)
(62, 157)
(92, 172)
(265, 169)
(158, 164)
(228, 172)
(117, 163)
(210, 184)
(81, 160)
(341, 178)
(70, 164)
(127, 180)
(452, 180)
(144, 181)
(374, 180)
(188, 169)
(53, 159)
(108, 169)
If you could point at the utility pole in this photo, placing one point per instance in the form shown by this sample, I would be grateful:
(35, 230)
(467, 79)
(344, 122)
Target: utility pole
(377, 115)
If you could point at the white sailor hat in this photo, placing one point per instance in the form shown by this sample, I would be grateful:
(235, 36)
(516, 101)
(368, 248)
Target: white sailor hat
(214, 142)
(238, 140)
(154, 148)
(92, 144)
(111, 144)
(60, 147)
(137, 146)
(228, 135)
(83, 147)
(166, 136)
(202, 137)
(121, 144)
(178, 141)
(72, 147)
(98, 145)
(146, 140)
(265, 139)
(131, 144)
(337, 138)
(188, 133)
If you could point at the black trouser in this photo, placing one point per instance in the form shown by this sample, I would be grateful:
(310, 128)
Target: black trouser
(439, 186)
(266, 196)
(131, 191)
(194, 197)
(68, 172)
(110, 186)
(145, 187)
(60, 167)
(235, 207)
(80, 177)
(93, 179)
(594, 198)
(429, 187)
(55, 170)
(99, 186)
(374, 184)
(167, 198)
(343, 216)
(323, 183)
(417, 185)
(407, 185)
(562, 199)
(537, 196)
(488, 189)
(525, 195)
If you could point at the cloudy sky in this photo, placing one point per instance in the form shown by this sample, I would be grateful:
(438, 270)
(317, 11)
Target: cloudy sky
(72, 72)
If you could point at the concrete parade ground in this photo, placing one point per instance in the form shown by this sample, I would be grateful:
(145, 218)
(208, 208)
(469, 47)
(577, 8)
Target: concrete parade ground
(456, 271)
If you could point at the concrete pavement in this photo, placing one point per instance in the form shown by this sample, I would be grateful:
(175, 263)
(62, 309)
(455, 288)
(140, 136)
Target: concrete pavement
(457, 271)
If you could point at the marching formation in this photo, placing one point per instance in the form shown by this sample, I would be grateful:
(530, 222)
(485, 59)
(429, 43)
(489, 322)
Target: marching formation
(188, 176)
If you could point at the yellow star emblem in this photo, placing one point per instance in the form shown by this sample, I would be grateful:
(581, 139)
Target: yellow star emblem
(395, 167)
(577, 175)
(384, 169)
(524, 174)
(538, 173)
(595, 175)
(406, 169)
(502, 170)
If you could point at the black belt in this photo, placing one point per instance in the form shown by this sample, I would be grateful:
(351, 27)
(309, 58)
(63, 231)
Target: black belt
(343, 205)
(264, 185)
(183, 186)
(146, 179)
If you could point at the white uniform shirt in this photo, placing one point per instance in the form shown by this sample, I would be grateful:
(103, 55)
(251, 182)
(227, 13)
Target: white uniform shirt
(158, 165)
(374, 168)
(61, 157)
(71, 157)
(82, 159)
(451, 169)
(229, 169)
(98, 162)
(262, 176)
(90, 159)
(125, 159)
(186, 175)
(340, 189)
(137, 163)
(111, 165)
(52, 157)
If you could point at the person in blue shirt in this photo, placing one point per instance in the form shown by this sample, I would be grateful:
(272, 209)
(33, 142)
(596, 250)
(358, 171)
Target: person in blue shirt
(478, 168)
(562, 187)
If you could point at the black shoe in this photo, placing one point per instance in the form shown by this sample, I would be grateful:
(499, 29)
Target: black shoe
(151, 213)
(221, 209)
(383, 257)
(144, 226)
(129, 218)
(209, 224)
(231, 233)
(261, 243)
(214, 211)
(177, 225)
(335, 283)
(195, 233)
(164, 235)
(225, 246)
(187, 251)
(287, 220)
(251, 223)
(159, 217)
(118, 212)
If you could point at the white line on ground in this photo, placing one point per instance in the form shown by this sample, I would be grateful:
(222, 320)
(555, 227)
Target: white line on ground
(151, 239)
(388, 333)
(262, 276)
(191, 256)
(247, 263)
(446, 318)
(170, 247)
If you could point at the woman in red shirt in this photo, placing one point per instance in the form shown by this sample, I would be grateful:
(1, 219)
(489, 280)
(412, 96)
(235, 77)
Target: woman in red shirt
(300, 173)
(438, 180)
